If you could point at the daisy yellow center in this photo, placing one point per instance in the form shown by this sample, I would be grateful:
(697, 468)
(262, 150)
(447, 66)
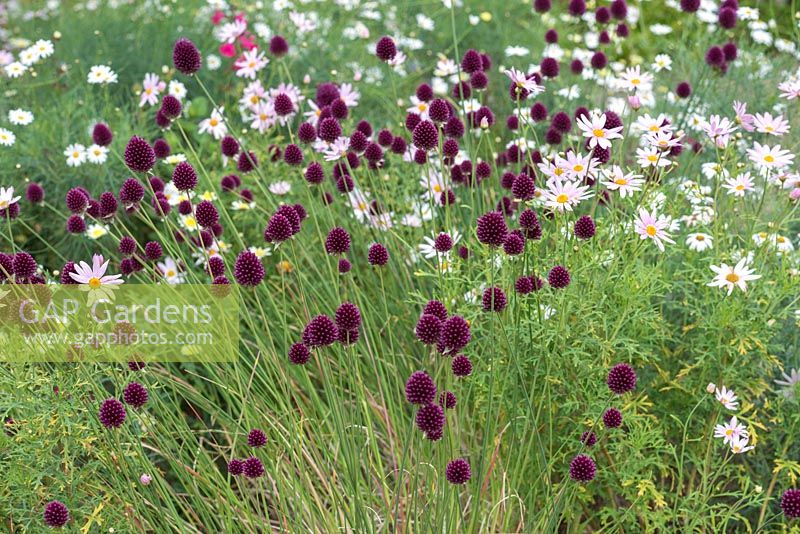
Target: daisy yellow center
(170, 273)
(3, 204)
(437, 188)
(621, 181)
(213, 122)
(577, 168)
(149, 91)
(762, 235)
(263, 116)
(252, 64)
(740, 187)
(769, 158)
(769, 129)
(653, 128)
(254, 99)
(75, 154)
(736, 448)
(729, 432)
(732, 278)
(422, 107)
(780, 239)
(598, 133)
(558, 171)
(700, 238)
(284, 267)
(652, 157)
(636, 81)
(562, 198)
(651, 230)
(362, 206)
(94, 282)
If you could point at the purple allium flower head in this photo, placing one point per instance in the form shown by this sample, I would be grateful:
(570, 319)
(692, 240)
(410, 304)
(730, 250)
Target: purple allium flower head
(320, 331)
(524, 285)
(455, 334)
(585, 227)
(7, 266)
(186, 57)
(492, 229)
(101, 134)
(347, 316)
(76, 224)
(424, 92)
(34, 193)
(539, 112)
(588, 438)
(306, 133)
(338, 241)
(494, 299)
(450, 148)
(436, 308)
(461, 366)
(256, 438)
(458, 471)
(65, 277)
(420, 157)
(385, 48)
(621, 378)
(55, 514)
(582, 469)
(549, 67)
(576, 8)
(229, 146)
(715, 57)
(344, 266)
(161, 148)
(478, 80)
(443, 242)
(619, 9)
(790, 503)
(339, 109)
(439, 110)
(542, 6)
(514, 243)
(425, 135)
(612, 418)
(358, 141)
(246, 162)
(253, 467)
(683, 90)
(622, 30)
(727, 18)
(730, 51)
(602, 15)
(112, 413)
(278, 229)
(136, 366)
(385, 137)
(171, 107)
(236, 467)
(299, 354)
(131, 192)
(428, 329)
(471, 61)
(135, 395)
(139, 155)
(599, 60)
(558, 277)
(561, 122)
(184, 177)
(23, 265)
(576, 66)
(512, 123)
(420, 388)
(216, 266)
(76, 200)
(248, 270)
(278, 46)
(454, 128)
(153, 250)
(523, 187)
(293, 154)
(551, 36)
(373, 152)
(398, 145)
(378, 255)
(430, 418)
(447, 400)
(314, 173)
(162, 121)
(206, 214)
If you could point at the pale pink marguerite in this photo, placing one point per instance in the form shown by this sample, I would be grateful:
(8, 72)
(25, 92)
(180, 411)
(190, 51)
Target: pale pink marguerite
(769, 158)
(740, 445)
(95, 276)
(594, 129)
(730, 277)
(564, 195)
(649, 225)
(7, 197)
(151, 88)
(523, 83)
(726, 397)
(740, 185)
(731, 430)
